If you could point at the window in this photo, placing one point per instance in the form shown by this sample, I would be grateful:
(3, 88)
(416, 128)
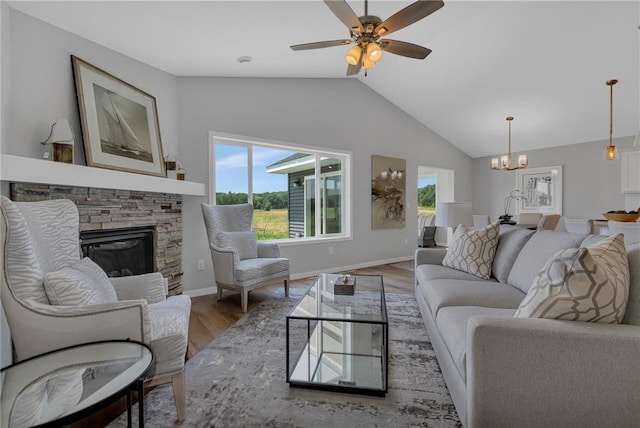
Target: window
(297, 193)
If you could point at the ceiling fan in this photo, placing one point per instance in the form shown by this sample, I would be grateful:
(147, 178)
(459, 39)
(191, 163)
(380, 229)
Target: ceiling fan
(366, 32)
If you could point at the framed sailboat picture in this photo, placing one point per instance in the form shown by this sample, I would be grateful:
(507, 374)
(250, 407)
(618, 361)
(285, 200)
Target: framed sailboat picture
(119, 122)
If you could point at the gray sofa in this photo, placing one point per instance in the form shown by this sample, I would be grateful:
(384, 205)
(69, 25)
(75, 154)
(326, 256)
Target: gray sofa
(511, 372)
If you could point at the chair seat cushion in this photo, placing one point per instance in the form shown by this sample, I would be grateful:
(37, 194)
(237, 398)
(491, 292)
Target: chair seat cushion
(452, 326)
(80, 284)
(169, 333)
(259, 269)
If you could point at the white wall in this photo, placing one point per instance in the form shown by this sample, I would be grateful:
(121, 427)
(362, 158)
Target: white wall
(42, 86)
(332, 113)
(591, 186)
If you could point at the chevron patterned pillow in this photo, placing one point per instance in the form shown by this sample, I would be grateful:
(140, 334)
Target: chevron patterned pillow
(582, 284)
(472, 251)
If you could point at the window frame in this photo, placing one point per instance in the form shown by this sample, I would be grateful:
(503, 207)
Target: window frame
(249, 142)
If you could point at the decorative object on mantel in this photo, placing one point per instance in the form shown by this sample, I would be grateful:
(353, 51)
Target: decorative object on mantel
(610, 152)
(542, 190)
(503, 163)
(61, 141)
(119, 122)
(171, 165)
(180, 172)
(514, 195)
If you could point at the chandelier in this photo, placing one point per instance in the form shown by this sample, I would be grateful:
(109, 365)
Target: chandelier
(503, 163)
(610, 152)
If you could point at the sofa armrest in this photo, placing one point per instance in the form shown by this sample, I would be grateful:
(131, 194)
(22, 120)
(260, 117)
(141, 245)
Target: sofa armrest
(45, 327)
(429, 256)
(268, 250)
(150, 287)
(536, 372)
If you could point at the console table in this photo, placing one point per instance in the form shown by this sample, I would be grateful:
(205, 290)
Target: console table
(66, 385)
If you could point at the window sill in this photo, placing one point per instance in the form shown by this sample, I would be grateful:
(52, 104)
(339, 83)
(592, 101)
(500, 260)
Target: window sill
(307, 241)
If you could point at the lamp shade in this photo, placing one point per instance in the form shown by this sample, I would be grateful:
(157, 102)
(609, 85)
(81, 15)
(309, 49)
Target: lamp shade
(451, 214)
(61, 133)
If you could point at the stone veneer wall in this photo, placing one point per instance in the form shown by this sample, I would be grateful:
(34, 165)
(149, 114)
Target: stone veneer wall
(113, 209)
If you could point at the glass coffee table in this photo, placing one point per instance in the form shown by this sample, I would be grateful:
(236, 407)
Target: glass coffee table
(66, 385)
(340, 342)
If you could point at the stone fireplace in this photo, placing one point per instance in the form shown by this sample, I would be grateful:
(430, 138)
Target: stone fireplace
(109, 209)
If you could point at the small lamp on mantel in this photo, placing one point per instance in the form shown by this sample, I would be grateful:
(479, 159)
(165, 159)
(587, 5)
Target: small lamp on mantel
(610, 152)
(61, 140)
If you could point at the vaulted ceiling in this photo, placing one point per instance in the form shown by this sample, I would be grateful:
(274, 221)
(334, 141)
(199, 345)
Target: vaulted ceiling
(543, 62)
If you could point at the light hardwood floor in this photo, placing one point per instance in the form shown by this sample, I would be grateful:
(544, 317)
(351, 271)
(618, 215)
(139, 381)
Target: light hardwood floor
(210, 317)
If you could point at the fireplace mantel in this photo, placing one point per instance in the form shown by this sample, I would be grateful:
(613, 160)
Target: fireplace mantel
(21, 169)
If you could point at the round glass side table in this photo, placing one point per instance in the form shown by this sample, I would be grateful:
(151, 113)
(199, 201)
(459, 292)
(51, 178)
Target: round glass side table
(66, 385)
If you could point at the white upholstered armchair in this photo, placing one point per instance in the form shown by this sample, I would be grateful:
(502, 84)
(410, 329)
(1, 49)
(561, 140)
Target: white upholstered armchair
(52, 298)
(240, 263)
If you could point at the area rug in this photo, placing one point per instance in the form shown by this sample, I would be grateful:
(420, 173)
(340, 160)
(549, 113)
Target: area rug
(239, 381)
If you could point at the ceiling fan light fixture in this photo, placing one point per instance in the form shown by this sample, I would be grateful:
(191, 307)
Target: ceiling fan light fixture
(367, 63)
(374, 51)
(354, 55)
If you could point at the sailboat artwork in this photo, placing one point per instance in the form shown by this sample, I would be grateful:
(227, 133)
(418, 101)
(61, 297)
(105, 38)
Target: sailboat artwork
(123, 126)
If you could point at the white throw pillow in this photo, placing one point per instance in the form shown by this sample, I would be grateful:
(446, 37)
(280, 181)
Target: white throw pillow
(245, 243)
(84, 283)
(472, 251)
(582, 284)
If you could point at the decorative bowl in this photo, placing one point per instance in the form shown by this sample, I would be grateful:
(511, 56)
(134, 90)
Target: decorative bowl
(621, 217)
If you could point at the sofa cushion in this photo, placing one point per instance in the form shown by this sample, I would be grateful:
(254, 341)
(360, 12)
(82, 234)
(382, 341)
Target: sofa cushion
(535, 254)
(632, 314)
(582, 284)
(472, 251)
(83, 283)
(442, 293)
(428, 272)
(452, 326)
(510, 243)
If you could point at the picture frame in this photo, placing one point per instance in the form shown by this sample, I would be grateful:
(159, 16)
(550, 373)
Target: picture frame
(388, 192)
(541, 189)
(119, 122)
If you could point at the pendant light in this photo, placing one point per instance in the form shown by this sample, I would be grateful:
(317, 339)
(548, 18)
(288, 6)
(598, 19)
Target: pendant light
(610, 152)
(503, 163)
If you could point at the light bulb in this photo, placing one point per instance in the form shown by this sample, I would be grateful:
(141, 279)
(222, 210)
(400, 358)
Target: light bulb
(367, 63)
(354, 55)
(610, 153)
(374, 52)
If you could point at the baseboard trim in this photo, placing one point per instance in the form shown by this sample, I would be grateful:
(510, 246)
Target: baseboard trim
(212, 290)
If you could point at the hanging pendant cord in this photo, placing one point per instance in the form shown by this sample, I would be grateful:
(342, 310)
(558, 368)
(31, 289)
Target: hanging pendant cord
(611, 112)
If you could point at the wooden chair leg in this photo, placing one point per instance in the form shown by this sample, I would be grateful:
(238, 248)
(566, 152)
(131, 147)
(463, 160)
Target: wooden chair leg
(177, 381)
(244, 298)
(219, 293)
(286, 288)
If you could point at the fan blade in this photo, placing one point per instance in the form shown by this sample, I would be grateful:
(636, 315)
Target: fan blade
(407, 16)
(404, 49)
(354, 69)
(318, 45)
(343, 11)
